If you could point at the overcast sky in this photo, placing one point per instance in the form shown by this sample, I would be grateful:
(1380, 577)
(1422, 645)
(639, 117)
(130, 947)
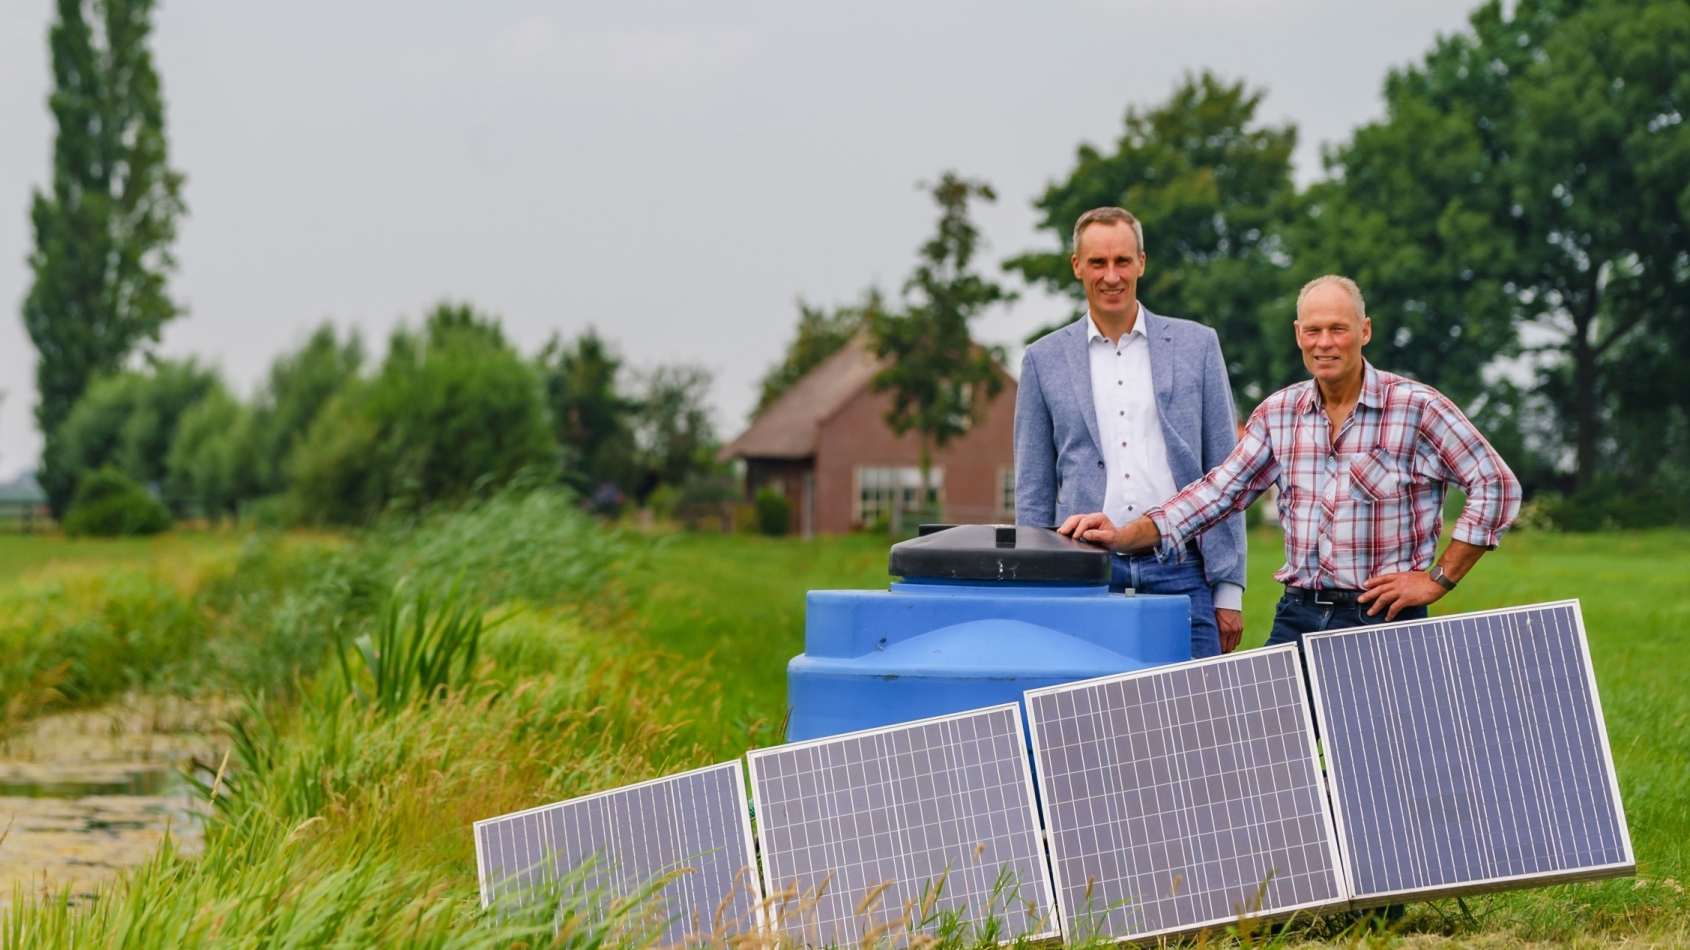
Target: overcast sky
(673, 173)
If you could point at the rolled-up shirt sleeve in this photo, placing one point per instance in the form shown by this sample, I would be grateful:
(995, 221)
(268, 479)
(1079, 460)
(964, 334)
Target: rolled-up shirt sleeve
(1230, 486)
(1459, 454)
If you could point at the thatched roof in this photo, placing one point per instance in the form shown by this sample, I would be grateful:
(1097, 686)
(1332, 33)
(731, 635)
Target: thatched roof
(787, 429)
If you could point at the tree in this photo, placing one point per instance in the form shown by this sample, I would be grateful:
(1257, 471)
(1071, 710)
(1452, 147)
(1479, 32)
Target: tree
(103, 233)
(1212, 189)
(590, 416)
(1532, 171)
(129, 421)
(820, 335)
(210, 467)
(939, 378)
(295, 391)
(454, 410)
(673, 427)
(1599, 177)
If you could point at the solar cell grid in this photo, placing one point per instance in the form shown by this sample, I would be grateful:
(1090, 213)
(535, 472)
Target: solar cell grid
(1174, 797)
(621, 840)
(1468, 753)
(906, 806)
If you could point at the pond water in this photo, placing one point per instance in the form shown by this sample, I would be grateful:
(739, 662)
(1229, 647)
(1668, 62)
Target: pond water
(85, 795)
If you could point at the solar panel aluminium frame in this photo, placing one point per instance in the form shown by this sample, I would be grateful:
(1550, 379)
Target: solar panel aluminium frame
(1340, 878)
(1507, 882)
(1054, 931)
(749, 877)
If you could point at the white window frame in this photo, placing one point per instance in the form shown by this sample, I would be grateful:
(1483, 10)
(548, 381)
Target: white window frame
(874, 488)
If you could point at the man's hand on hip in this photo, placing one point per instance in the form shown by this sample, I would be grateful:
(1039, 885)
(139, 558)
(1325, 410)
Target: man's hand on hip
(1231, 624)
(1399, 591)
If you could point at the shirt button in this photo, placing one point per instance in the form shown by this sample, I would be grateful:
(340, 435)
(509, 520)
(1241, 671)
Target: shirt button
(1118, 382)
(1123, 412)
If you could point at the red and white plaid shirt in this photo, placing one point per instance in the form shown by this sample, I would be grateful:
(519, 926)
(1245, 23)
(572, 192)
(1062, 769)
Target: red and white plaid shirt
(1370, 502)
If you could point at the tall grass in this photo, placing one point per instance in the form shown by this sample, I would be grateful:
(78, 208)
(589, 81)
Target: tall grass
(341, 820)
(340, 825)
(419, 648)
(261, 612)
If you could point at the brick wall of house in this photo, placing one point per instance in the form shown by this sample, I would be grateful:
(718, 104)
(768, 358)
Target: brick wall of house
(857, 435)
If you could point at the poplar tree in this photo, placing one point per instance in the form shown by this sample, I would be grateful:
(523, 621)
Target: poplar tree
(103, 230)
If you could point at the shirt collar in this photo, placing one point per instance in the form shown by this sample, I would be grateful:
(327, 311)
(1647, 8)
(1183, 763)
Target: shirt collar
(1093, 334)
(1372, 391)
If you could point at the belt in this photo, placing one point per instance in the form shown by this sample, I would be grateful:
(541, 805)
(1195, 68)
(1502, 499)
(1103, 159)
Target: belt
(1324, 597)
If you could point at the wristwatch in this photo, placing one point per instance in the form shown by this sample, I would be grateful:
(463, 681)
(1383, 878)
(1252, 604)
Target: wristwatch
(1437, 574)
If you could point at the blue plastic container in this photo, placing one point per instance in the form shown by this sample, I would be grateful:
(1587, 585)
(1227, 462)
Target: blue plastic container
(936, 645)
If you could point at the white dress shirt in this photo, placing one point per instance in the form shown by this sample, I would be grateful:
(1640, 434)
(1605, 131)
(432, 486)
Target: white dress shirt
(1135, 458)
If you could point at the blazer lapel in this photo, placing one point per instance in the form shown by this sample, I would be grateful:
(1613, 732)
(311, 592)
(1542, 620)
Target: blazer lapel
(1079, 374)
(1162, 362)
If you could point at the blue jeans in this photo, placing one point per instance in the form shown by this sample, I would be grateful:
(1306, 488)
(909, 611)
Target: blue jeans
(1143, 573)
(1291, 619)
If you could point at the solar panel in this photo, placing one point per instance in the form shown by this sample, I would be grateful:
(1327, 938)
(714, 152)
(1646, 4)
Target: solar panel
(929, 817)
(1179, 797)
(1468, 753)
(620, 841)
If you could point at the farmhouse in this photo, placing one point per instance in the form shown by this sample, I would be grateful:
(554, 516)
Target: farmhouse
(826, 446)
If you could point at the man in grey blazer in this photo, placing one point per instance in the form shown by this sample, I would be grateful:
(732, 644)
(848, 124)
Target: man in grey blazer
(1118, 411)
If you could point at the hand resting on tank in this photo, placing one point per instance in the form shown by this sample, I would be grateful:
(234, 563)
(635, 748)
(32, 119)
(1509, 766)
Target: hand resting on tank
(1136, 537)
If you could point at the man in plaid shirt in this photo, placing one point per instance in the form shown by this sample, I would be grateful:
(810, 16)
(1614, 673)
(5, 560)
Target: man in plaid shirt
(1362, 459)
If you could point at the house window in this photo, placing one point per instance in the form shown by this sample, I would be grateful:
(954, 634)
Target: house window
(1006, 490)
(879, 489)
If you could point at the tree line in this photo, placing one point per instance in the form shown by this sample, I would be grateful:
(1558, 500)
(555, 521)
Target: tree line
(1518, 220)
(451, 410)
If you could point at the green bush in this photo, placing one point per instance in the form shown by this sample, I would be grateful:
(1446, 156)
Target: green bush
(110, 504)
(774, 512)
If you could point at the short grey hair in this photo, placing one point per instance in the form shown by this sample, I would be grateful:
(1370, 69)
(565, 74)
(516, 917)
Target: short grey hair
(1108, 216)
(1344, 282)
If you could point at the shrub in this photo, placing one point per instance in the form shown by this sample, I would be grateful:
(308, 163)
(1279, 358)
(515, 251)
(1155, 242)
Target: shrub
(110, 504)
(774, 512)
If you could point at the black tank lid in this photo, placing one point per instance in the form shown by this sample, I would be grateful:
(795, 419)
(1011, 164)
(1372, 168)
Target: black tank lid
(986, 552)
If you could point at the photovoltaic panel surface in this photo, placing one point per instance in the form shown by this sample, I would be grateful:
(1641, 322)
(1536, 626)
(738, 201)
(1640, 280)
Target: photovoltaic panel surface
(905, 807)
(1178, 796)
(622, 840)
(1468, 753)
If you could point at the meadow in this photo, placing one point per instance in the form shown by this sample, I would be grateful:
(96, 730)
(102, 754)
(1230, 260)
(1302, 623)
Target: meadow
(565, 658)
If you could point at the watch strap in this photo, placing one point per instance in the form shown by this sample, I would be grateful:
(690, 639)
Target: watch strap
(1437, 574)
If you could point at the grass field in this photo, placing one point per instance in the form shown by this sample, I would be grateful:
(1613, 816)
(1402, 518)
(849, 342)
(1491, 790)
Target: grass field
(345, 823)
(740, 601)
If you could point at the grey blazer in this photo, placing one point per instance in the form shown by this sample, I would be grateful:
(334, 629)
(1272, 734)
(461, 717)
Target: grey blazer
(1058, 456)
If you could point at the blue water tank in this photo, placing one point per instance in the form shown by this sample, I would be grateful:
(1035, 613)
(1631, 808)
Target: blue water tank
(983, 613)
